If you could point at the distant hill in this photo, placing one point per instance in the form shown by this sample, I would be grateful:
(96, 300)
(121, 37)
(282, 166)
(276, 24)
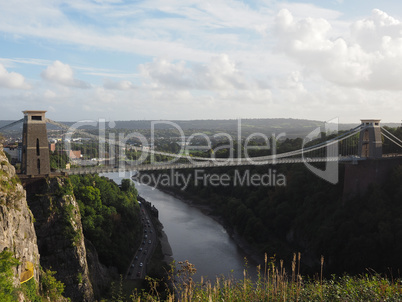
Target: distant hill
(292, 127)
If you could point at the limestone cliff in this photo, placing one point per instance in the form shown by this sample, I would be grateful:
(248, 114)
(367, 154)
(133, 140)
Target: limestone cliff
(60, 238)
(17, 232)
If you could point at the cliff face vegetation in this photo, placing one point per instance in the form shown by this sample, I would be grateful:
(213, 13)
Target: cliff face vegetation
(110, 218)
(60, 238)
(17, 233)
(87, 228)
(65, 238)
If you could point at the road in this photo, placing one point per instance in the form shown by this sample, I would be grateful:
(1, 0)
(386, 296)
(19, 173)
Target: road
(141, 258)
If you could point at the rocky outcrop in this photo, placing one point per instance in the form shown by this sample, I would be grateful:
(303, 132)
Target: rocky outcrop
(17, 233)
(60, 238)
(100, 275)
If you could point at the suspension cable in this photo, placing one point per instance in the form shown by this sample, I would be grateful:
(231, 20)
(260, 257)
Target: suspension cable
(269, 157)
(12, 124)
(391, 134)
(391, 140)
(315, 147)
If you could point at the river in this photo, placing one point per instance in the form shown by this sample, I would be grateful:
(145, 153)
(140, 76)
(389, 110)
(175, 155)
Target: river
(194, 236)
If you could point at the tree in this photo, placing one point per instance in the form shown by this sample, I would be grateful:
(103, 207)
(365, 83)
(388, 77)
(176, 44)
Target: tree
(110, 216)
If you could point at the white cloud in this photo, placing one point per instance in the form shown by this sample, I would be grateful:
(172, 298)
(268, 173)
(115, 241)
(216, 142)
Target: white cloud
(12, 80)
(161, 73)
(201, 59)
(49, 94)
(121, 85)
(151, 28)
(62, 74)
(220, 73)
(308, 10)
(348, 63)
(102, 96)
(293, 81)
(370, 32)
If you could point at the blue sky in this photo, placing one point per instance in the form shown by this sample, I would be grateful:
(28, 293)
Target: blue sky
(200, 59)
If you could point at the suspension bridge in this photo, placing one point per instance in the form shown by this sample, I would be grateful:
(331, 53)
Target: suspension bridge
(364, 142)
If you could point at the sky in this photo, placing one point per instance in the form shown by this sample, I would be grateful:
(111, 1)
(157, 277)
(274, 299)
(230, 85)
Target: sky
(201, 59)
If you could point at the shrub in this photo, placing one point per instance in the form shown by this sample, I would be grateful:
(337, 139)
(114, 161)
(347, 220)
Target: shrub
(51, 288)
(7, 262)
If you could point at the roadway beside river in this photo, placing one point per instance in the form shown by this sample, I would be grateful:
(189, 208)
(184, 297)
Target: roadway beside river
(139, 265)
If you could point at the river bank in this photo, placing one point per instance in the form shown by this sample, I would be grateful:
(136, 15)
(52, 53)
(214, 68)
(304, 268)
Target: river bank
(166, 248)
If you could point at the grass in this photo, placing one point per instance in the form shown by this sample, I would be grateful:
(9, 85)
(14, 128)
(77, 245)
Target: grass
(273, 284)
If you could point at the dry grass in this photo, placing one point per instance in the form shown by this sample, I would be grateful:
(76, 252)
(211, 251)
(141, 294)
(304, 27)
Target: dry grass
(273, 284)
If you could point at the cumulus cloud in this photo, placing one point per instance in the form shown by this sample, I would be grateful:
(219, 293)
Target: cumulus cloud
(162, 73)
(371, 33)
(62, 74)
(12, 79)
(121, 85)
(219, 73)
(293, 81)
(103, 96)
(49, 94)
(370, 59)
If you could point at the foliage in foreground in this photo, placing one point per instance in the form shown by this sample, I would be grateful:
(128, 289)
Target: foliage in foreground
(49, 289)
(7, 262)
(275, 284)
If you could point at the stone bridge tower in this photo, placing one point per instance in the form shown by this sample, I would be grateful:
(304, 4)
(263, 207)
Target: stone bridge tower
(370, 142)
(35, 146)
(374, 169)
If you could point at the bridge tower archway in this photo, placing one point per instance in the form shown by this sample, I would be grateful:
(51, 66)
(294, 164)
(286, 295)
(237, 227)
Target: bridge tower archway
(370, 141)
(35, 146)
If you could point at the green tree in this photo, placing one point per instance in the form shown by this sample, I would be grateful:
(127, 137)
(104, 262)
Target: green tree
(110, 216)
(51, 288)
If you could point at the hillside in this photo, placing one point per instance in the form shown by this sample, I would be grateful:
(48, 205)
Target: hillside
(292, 127)
(309, 215)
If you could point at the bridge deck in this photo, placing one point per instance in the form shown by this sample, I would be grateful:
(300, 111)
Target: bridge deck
(206, 164)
